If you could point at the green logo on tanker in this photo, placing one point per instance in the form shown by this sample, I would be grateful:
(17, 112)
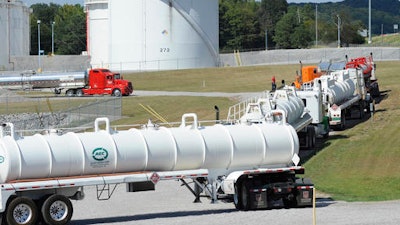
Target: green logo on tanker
(1, 159)
(100, 154)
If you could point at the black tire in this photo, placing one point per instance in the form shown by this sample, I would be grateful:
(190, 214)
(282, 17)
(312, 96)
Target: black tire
(290, 203)
(117, 92)
(79, 92)
(57, 210)
(22, 210)
(245, 197)
(343, 121)
(237, 198)
(70, 93)
(313, 138)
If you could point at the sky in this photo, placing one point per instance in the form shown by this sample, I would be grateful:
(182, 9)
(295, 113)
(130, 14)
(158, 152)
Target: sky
(62, 2)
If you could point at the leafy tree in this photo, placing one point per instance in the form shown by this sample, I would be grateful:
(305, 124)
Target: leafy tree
(269, 13)
(238, 23)
(45, 13)
(284, 29)
(292, 30)
(71, 27)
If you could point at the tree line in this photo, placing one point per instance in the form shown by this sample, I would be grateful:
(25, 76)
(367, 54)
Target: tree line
(243, 24)
(67, 23)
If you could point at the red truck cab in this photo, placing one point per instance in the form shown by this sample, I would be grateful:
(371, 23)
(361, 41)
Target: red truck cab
(105, 82)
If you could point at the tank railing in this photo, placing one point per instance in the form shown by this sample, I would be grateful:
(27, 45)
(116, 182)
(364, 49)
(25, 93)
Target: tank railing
(236, 111)
(100, 120)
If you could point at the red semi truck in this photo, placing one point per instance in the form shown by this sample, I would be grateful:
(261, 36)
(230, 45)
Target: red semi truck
(103, 82)
(91, 82)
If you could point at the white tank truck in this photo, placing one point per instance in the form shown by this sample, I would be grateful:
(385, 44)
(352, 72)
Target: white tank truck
(262, 109)
(253, 164)
(342, 92)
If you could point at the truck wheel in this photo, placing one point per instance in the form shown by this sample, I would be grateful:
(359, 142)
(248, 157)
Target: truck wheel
(21, 210)
(57, 210)
(117, 93)
(79, 93)
(237, 198)
(245, 197)
(70, 93)
(343, 122)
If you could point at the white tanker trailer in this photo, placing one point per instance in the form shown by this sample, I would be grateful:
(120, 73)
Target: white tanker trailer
(254, 164)
(307, 124)
(342, 91)
(54, 80)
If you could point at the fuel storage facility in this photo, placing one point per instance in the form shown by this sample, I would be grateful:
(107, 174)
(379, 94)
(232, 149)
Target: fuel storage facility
(140, 35)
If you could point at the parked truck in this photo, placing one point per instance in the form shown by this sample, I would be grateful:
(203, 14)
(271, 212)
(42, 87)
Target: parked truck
(305, 115)
(255, 165)
(91, 82)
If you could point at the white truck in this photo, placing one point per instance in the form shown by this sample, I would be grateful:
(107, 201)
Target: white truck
(343, 92)
(255, 165)
(318, 105)
(305, 115)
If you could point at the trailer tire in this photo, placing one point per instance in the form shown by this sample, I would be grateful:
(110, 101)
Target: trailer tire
(79, 92)
(57, 210)
(70, 93)
(22, 210)
(237, 199)
(245, 196)
(117, 92)
(342, 125)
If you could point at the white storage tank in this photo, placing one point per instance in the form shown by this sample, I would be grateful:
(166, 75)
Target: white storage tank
(14, 35)
(139, 35)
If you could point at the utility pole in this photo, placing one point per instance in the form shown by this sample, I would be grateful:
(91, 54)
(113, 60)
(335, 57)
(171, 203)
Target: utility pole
(316, 24)
(39, 51)
(369, 23)
(338, 30)
(52, 38)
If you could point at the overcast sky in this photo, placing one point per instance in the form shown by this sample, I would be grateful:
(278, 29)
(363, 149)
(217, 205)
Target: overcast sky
(62, 2)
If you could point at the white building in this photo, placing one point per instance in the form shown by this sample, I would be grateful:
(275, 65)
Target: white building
(139, 35)
(14, 31)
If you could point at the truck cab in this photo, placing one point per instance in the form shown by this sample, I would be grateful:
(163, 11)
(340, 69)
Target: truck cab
(103, 81)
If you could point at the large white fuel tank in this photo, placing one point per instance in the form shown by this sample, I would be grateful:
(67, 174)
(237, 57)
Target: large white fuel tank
(290, 103)
(152, 149)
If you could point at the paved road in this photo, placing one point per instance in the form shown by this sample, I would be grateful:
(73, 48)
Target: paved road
(240, 96)
(172, 204)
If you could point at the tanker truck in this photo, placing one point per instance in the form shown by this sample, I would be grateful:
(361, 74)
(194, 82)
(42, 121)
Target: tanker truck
(254, 165)
(343, 93)
(91, 82)
(304, 113)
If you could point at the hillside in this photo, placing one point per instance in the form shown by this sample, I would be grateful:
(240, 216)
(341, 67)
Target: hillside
(385, 13)
(361, 163)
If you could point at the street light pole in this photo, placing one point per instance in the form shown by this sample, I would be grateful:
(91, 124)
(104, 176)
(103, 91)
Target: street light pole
(338, 30)
(369, 23)
(40, 66)
(52, 37)
(316, 24)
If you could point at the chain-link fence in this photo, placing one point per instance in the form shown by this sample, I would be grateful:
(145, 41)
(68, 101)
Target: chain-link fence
(34, 114)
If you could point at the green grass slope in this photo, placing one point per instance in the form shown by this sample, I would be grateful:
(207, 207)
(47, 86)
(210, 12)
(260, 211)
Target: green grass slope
(387, 39)
(362, 163)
